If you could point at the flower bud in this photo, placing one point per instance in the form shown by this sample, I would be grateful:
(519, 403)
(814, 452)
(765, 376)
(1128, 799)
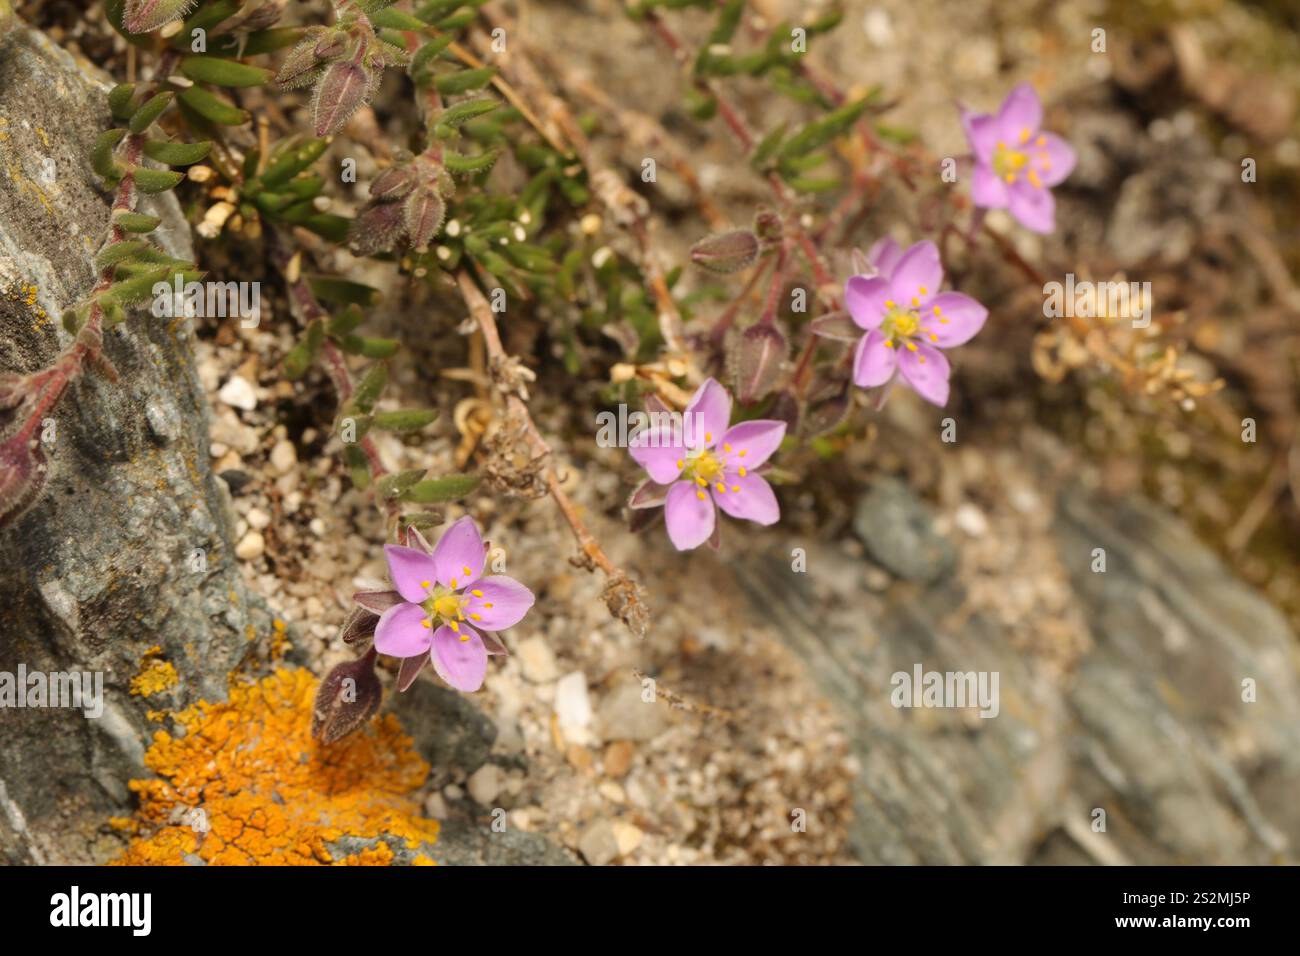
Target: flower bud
(23, 473)
(423, 211)
(300, 65)
(144, 16)
(342, 88)
(393, 183)
(348, 697)
(768, 227)
(376, 228)
(757, 356)
(726, 251)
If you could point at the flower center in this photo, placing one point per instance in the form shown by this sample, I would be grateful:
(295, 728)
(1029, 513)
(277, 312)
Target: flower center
(904, 325)
(443, 605)
(1008, 162)
(702, 464)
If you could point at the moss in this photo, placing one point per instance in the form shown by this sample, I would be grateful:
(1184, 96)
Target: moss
(246, 784)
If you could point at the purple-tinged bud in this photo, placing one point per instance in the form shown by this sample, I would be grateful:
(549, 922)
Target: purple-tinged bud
(301, 65)
(331, 46)
(359, 626)
(348, 697)
(343, 87)
(393, 183)
(768, 227)
(23, 473)
(423, 210)
(144, 16)
(376, 228)
(726, 251)
(757, 357)
(837, 326)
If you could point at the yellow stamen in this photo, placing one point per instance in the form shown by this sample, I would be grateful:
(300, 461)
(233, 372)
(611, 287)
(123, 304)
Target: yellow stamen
(911, 346)
(700, 495)
(487, 605)
(454, 626)
(477, 617)
(744, 452)
(1024, 135)
(889, 343)
(680, 463)
(721, 487)
(735, 487)
(937, 310)
(453, 582)
(933, 337)
(726, 448)
(743, 471)
(708, 436)
(467, 571)
(476, 592)
(923, 290)
(889, 303)
(1041, 141)
(426, 585)
(464, 637)
(427, 623)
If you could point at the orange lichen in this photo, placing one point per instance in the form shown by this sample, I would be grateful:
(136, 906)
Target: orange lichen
(156, 674)
(246, 784)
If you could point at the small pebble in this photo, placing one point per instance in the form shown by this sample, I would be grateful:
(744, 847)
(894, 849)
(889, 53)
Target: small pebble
(251, 546)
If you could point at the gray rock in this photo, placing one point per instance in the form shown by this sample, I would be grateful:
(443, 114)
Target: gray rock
(899, 534)
(463, 844)
(448, 730)
(100, 569)
(1151, 726)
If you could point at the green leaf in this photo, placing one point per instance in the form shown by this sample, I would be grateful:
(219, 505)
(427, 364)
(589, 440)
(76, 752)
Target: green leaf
(405, 420)
(421, 68)
(289, 158)
(370, 387)
(176, 154)
(457, 163)
(101, 157)
(121, 101)
(374, 348)
(822, 131)
(268, 41)
(213, 108)
(143, 118)
(135, 221)
(347, 320)
(396, 20)
(116, 252)
(302, 355)
(391, 487)
(463, 81)
(768, 146)
(462, 113)
(155, 180)
(140, 287)
(446, 488)
(219, 72)
(342, 291)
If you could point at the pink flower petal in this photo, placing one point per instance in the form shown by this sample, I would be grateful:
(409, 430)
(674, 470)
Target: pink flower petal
(401, 631)
(927, 371)
(1021, 115)
(884, 255)
(459, 658)
(755, 501)
(459, 554)
(690, 519)
(1033, 207)
(874, 362)
(959, 318)
(865, 300)
(510, 601)
(410, 569)
(757, 439)
(1054, 159)
(987, 190)
(658, 450)
(982, 134)
(917, 275)
(708, 414)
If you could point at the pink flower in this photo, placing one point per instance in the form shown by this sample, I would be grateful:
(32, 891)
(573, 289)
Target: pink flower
(441, 598)
(1015, 163)
(706, 466)
(907, 320)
